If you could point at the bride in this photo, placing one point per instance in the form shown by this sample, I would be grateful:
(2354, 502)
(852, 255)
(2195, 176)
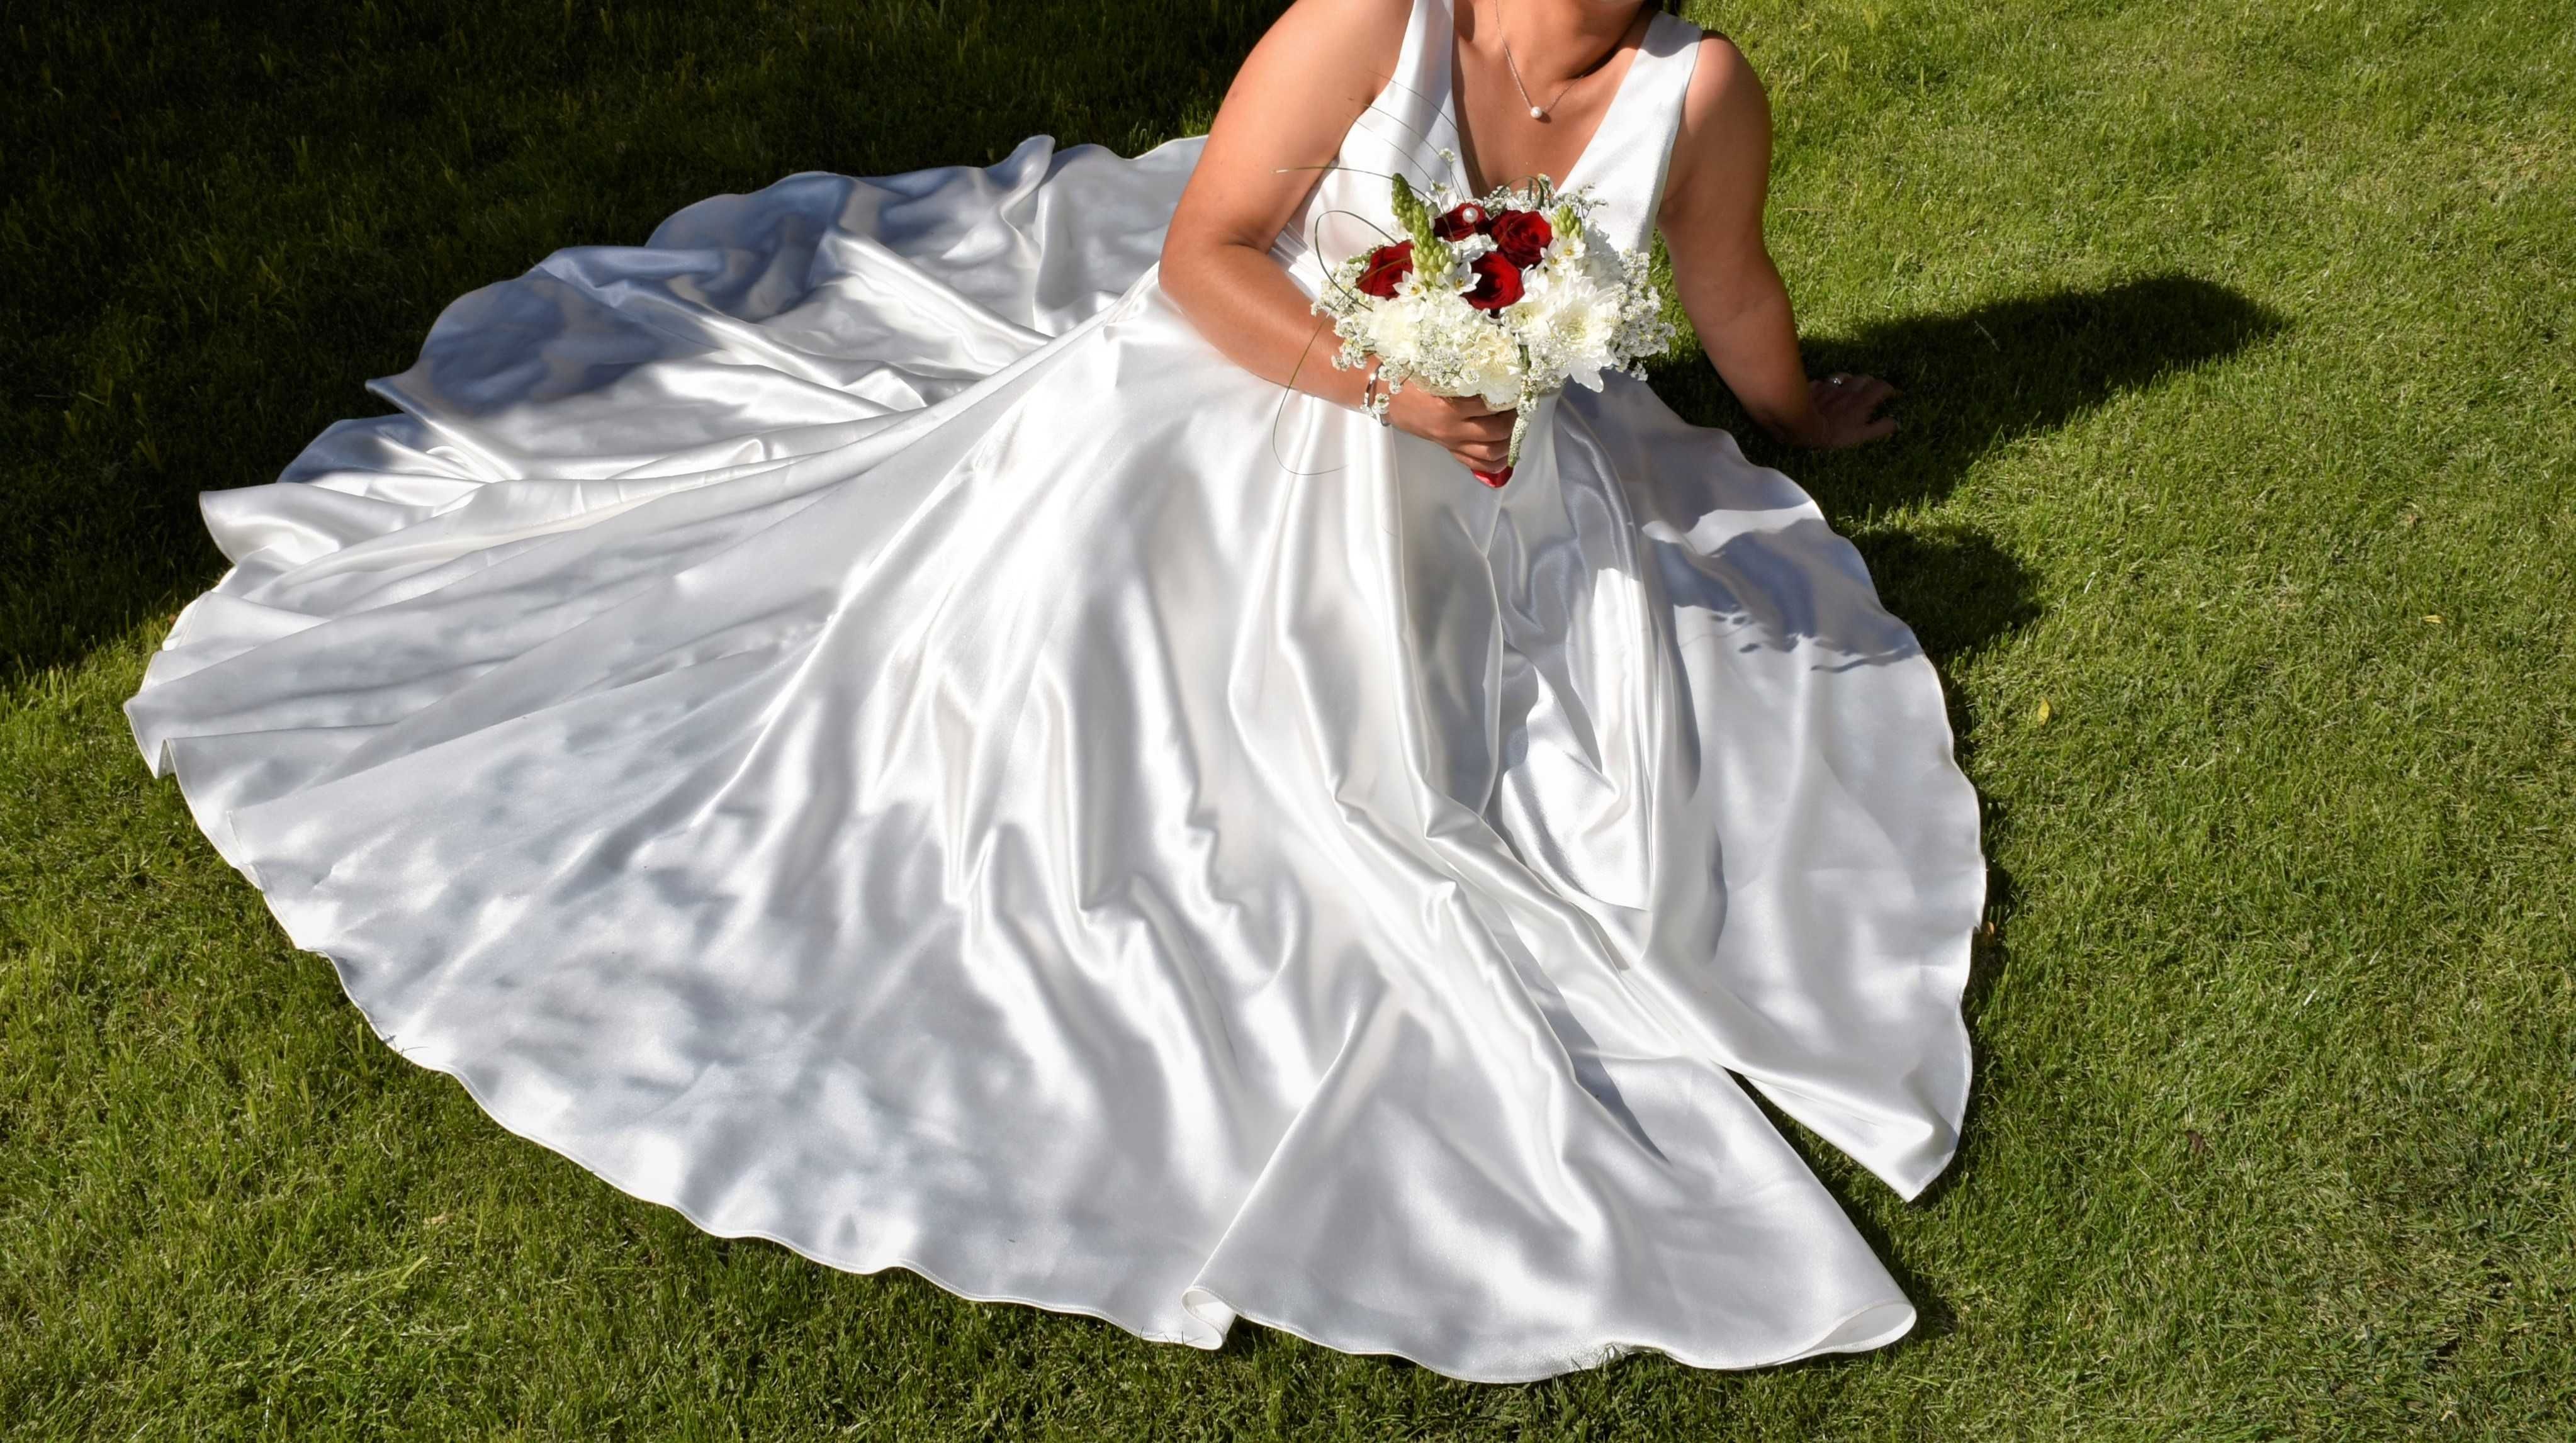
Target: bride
(916, 718)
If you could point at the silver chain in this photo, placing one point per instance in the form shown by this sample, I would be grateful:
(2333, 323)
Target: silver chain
(1502, 27)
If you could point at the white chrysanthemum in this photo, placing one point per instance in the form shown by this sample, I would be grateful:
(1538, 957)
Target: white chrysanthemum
(1428, 333)
(1567, 321)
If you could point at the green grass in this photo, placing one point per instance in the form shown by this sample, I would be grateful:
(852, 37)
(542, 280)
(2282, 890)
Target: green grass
(2240, 344)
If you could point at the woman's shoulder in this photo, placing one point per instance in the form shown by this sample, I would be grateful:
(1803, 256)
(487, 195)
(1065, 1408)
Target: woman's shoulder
(1348, 19)
(1722, 148)
(1723, 86)
(1330, 35)
(1725, 108)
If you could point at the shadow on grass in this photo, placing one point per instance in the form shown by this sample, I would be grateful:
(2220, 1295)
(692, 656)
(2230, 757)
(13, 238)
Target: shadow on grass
(1978, 379)
(1975, 381)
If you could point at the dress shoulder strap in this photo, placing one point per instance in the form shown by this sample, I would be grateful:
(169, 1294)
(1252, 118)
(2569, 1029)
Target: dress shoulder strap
(1634, 150)
(1409, 124)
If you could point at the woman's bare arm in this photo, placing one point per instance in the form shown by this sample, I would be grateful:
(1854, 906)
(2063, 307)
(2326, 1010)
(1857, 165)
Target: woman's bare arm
(1283, 120)
(1712, 221)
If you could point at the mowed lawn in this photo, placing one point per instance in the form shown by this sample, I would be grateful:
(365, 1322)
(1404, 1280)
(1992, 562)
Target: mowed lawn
(2235, 500)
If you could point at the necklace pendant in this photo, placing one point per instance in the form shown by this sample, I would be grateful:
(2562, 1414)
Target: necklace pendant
(1537, 114)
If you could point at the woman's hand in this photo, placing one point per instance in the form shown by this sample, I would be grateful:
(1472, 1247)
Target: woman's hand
(1845, 411)
(1464, 426)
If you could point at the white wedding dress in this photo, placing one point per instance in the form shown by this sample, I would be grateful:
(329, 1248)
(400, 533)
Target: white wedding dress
(851, 720)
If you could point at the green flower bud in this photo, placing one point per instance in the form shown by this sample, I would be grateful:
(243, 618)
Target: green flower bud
(1431, 254)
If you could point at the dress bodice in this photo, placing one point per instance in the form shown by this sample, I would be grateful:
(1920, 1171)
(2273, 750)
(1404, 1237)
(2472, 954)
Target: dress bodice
(1411, 129)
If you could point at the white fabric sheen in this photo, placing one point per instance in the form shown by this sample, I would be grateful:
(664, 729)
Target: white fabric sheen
(851, 720)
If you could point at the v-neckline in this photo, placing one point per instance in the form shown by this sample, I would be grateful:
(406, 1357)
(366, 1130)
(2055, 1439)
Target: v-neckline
(1467, 167)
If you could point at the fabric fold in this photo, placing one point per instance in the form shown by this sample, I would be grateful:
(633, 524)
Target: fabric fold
(852, 720)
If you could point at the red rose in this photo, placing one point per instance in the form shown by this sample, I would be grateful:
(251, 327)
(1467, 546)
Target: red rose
(1498, 282)
(1520, 236)
(1386, 265)
(1461, 222)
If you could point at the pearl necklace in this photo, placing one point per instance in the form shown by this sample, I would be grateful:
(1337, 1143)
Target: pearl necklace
(1536, 110)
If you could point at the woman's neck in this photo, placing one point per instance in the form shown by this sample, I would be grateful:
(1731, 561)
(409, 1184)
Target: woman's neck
(1552, 41)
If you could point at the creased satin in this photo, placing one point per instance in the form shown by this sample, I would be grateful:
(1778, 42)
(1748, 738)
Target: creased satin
(851, 720)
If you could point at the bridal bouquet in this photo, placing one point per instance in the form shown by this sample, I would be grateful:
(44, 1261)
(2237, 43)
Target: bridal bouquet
(1506, 297)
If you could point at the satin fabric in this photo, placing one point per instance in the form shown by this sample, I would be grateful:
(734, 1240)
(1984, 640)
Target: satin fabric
(853, 721)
